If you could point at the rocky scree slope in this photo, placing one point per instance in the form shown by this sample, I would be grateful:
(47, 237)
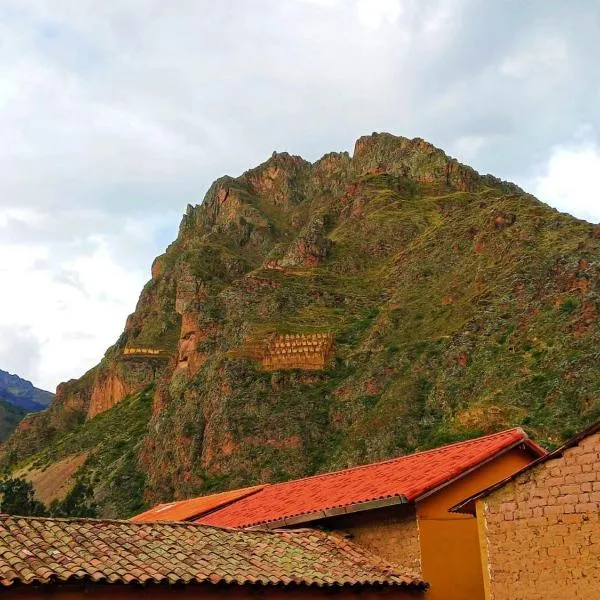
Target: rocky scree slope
(452, 305)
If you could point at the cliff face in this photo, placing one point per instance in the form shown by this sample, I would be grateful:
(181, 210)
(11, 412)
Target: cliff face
(314, 316)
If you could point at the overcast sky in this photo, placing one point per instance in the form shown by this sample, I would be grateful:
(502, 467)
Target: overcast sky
(115, 114)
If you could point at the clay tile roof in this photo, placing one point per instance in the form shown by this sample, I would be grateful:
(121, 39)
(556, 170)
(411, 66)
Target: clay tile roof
(185, 510)
(403, 479)
(36, 550)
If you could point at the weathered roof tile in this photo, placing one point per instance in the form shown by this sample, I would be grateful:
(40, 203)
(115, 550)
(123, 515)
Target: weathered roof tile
(158, 552)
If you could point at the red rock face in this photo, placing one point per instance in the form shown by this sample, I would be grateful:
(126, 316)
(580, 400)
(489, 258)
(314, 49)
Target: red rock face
(271, 180)
(157, 267)
(120, 379)
(70, 400)
(414, 158)
(229, 206)
(106, 393)
(271, 177)
(189, 359)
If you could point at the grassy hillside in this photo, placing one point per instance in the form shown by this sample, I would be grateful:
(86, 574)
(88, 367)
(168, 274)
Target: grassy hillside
(10, 417)
(108, 444)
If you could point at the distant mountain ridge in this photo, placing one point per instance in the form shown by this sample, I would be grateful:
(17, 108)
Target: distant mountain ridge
(22, 393)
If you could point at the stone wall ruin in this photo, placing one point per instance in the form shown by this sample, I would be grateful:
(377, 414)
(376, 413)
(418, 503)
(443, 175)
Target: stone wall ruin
(297, 351)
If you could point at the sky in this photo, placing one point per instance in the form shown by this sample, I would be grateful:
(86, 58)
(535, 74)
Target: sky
(115, 115)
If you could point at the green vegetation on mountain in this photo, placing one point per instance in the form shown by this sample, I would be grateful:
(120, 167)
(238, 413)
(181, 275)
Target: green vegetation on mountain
(110, 442)
(18, 498)
(10, 417)
(458, 303)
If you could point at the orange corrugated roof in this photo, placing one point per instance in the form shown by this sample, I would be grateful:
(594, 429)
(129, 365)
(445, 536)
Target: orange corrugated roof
(406, 478)
(185, 510)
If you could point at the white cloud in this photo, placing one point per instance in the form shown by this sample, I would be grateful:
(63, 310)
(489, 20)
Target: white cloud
(538, 56)
(570, 180)
(74, 308)
(468, 146)
(20, 350)
(375, 13)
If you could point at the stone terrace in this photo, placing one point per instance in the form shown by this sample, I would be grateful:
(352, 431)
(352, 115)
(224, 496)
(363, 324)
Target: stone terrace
(297, 351)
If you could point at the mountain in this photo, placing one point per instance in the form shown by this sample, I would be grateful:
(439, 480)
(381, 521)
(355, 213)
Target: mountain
(20, 392)
(17, 398)
(312, 316)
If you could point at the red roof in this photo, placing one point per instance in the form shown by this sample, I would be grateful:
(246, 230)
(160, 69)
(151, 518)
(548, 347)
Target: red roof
(187, 509)
(403, 479)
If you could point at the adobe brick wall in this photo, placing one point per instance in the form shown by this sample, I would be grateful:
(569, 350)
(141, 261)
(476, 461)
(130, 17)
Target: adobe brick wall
(541, 532)
(391, 532)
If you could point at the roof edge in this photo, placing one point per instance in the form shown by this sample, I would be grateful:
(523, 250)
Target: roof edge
(142, 517)
(467, 506)
(328, 513)
(410, 583)
(532, 446)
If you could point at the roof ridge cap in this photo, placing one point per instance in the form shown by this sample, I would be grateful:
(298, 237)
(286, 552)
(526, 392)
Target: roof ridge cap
(179, 524)
(398, 458)
(6, 517)
(151, 515)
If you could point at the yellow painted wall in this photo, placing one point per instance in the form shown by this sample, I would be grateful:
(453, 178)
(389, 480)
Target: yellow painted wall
(450, 555)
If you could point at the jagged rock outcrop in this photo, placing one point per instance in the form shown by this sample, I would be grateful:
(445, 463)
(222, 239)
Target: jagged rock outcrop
(115, 383)
(453, 304)
(189, 357)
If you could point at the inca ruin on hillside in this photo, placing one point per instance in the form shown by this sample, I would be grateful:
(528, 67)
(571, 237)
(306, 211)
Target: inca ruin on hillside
(297, 351)
(142, 352)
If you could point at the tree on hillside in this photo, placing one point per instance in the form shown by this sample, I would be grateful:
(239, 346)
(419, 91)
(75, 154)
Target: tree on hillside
(18, 498)
(79, 502)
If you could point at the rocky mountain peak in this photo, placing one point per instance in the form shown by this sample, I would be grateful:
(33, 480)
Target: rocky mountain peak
(316, 316)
